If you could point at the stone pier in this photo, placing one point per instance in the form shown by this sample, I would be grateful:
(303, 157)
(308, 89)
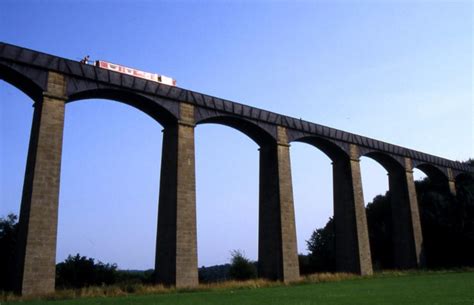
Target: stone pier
(407, 236)
(176, 245)
(350, 220)
(277, 252)
(35, 264)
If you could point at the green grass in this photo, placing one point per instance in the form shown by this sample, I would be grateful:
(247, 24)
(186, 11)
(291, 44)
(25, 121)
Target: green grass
(419, 288)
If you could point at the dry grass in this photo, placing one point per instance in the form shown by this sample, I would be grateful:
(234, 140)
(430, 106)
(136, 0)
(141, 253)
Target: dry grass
(248, 284)
(328, 277)
(128, 289)
(92, 291)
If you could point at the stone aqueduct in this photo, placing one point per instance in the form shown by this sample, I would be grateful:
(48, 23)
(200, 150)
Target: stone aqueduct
(51, 82)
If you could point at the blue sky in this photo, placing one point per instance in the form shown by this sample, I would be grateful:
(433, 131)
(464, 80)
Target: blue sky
(398, 71)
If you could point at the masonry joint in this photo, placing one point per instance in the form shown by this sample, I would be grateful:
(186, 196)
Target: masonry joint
(55, 96)
(283, 144)
(187, 124)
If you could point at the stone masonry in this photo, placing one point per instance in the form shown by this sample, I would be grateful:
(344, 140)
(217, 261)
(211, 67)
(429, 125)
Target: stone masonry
(51, 81)
(350, 220)
(407, 236)
(36, 250)
(176, 247)
(451, 182)
(278, 257)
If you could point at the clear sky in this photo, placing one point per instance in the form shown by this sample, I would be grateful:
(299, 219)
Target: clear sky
(398, 71)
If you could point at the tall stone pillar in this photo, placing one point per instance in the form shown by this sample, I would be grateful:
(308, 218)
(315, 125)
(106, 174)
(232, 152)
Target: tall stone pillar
(277, 251)
(407, 236)
(176, 242)
(451, 182)
(35, 265)
(350, 220)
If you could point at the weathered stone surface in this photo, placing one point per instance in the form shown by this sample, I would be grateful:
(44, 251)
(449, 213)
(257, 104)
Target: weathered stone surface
(350, 221)
(451, 182)
(407, 236)
(278, 257)
(176, 249)
(36, 252)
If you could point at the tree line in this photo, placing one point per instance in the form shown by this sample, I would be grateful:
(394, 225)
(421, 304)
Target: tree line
(447, 226)
(447, 223)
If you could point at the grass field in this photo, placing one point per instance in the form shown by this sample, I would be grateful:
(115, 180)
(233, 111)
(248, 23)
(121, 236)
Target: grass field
(425, 288)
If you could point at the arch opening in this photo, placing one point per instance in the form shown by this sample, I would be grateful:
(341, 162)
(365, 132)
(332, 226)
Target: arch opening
(419, 175)
(375, 184)
(463, 180)
(253, 131)
(16, 116)
(227, 195)
(332, 150)
(351, 252)
(432, 172)
(442, 216)
(142, 103)
(387, 162)
(21, 82)
(109, 185)
(313, 202)
(437, 178)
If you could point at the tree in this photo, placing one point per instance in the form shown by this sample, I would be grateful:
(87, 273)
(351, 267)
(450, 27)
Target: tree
(79, 271)
(379, 220)
(321, 247)
(8, 237)
(447, 224)
(217, 273)
(241, 268)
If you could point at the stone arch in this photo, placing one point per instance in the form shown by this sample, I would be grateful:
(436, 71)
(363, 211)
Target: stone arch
(352, 250)
(258, 134)
(395, 253)
(240, 170)
(23, 83)
(434, 173)
(158, 112)
(313, 193)
(461, 179)
(249, 130)
(463, 176)
(120, 155)
(334, 151)
(389, 163)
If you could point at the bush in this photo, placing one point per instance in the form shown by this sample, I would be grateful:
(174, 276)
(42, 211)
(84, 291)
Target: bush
(241, 268)
(379, 220)
(8, 236)
(212, 274)
(322, 250)
(79, 271)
